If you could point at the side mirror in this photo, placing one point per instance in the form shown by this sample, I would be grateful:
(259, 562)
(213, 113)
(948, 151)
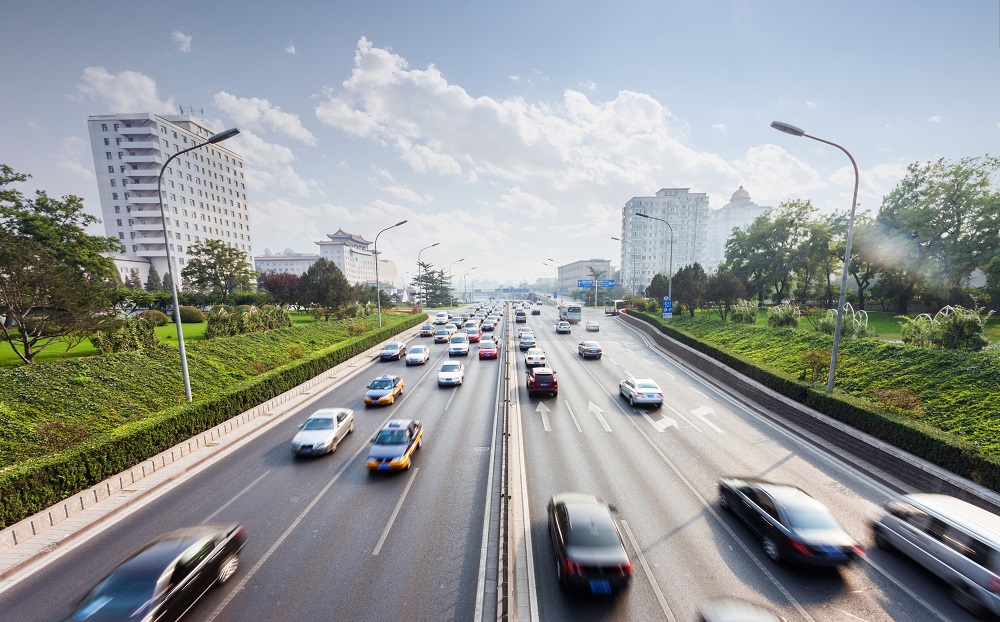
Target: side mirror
(302, 425)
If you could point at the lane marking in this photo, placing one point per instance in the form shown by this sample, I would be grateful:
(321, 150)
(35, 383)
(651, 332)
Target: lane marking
(453, 393)
(662, 424)
(597, 410)
(238, 495)
(702, 412)
(681, 415)
(542, 408)
(649, 574)
(573, 415)
(392, 517)
(694, 390)
(905, 589)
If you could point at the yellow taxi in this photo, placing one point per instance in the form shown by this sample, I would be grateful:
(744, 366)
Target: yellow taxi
(384, 389)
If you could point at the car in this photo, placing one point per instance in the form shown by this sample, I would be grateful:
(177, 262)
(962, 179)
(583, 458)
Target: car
(593, 326)
(488, 349)
(792, 526)
(536, 311)
(458, 345)
(441, 317)
(563, 328)
(588, 349)
(427, 330)
(474, 334)
(641, 391)
(166, 577)
(393, 446)
(589, 550)
(322, 431)
(418, 355)
(526, 341)
(488, 326)
(451, 328)
(441, 335)
(384, 389)
(393, 350)
(524, 330)
(520, 317)
(731, 610)
(470, 324)
(451, 374)
(535, 357)
(542, 380)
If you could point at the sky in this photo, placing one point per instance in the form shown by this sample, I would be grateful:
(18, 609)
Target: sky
(509, 133)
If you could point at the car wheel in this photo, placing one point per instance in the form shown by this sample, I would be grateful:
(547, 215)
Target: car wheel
(881, 541)
(965, 599)
(228, 568)
(631, 401)
(555, 394)
(560, 577)
(771, 549)
(350, 429)
(724, 502)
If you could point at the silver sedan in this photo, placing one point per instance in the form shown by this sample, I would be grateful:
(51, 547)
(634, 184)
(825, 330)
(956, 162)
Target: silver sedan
(641, 391)
(323, 431)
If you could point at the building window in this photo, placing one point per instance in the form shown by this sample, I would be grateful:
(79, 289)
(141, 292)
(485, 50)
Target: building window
(107, 141)
(119, 222)
(113, 183)
(121, 236)
(118, 141)
(120, 154)
(111, 169)
(116, 127)
(104, 128)
(118, 209)
(107, 154)
(114, 196)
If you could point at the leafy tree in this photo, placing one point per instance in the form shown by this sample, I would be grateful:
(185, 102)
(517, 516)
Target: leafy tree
(133, 281)
(282, 286)
(864, 264)
(748, 257)
(690, 284)
(168, 284)
(432, 284)
(658, 287)
(723, 290)
(153, 282)
(214, 265)
(325, 286)
(256, 299)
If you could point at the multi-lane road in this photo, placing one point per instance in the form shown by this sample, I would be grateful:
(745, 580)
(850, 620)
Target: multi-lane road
(326, 540)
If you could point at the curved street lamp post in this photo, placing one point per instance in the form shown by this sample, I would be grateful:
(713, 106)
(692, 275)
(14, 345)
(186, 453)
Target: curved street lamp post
(449, 278)
(214, 138)
(465, 289)
(794, 131)
(670, 269)
(633, 262)
(420, 282)
(378, 289)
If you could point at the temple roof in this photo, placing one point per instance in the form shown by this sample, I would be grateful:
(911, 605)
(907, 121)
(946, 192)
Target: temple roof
(344, 237)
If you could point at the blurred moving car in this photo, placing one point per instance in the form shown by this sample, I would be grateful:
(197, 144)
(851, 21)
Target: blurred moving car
(451, 374)
(427, 330)
(165, 578)
(322, 431)
(593, 326)
(589, 549)
(792, 526)
(458, 345)
(475, 334)
(736, 611)
(640, 391)
(441, 317)
(418, 355)
(588, 349)
(536, 311)
(542, 380)
(957, 541)
(393, 446)
(441, 336)
(563, 328)
(393, 350)
(488, 349)
(534, 357)
(384, 389)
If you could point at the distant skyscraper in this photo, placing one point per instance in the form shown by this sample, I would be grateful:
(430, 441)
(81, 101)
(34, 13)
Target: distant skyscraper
(204, 191)
(737, 214)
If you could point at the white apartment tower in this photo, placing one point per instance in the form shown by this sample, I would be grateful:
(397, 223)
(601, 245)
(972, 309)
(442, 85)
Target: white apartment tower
(646, 243)
(737, 214)
(204, 191)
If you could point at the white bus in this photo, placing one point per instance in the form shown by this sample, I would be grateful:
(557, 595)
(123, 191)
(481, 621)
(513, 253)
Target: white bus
(614, 307)
(570, 312)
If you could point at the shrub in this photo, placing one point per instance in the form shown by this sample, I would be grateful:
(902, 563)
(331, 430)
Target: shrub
(355, 327)
(246, 309)
(295, 350)
(903, 401)
(963, 329)
(192, 315)
(816, 364)
(222, 309)
(745, 312)
(128, 335)
(158, 318)
(783, 316)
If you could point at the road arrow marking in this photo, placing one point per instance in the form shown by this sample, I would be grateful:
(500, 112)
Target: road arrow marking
(572, 414)
(702, 412)
(542, 408)
(662, 424)
(594, 408)
(681, 415)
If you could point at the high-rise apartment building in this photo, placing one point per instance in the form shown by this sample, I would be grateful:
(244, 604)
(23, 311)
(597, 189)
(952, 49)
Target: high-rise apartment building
(646, 243)
(204, 191)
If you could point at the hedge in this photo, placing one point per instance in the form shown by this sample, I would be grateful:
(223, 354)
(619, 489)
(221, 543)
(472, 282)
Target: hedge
(36, 484)
(941, 447)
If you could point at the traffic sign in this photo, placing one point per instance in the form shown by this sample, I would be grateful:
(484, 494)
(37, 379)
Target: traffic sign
(606, 283)
(668, 308)
(563, 290)
(585, 283)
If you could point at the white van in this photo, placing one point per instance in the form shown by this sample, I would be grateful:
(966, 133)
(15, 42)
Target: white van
(441, 317)
(957, 541)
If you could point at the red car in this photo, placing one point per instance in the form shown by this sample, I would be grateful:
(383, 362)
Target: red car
(475, 334)
(488, 350)
(542, 380)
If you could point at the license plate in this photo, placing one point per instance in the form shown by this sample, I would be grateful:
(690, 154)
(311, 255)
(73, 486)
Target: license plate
(600, 586)
(543, 384)
(383, 467)
(831, 551)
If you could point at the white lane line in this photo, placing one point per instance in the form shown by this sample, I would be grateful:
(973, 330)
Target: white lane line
(649, 574)
(697, 391)
(681, 415)
(613, 361)
(238, 495)
(656, 424)
(702, 412)
(392, 517)
(573, 415)
(454, 391)
(905, 589)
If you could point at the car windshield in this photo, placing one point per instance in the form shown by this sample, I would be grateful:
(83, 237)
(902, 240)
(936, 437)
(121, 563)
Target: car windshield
(543, 377)
(810, 518)
(318, 424)
(590, 344)
(593, 535)
(646, 384)
(488, 345)
(391, 437)
(381, 384)
(442, 332)
(450, 367)
(391, 346)
(120, 592)
(417, 349)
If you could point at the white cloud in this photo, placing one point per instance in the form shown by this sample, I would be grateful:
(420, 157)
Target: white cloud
(934, 119)
(269, 168)
(257, 112)
(514, 78)
(128, 91)
(721, 128)
(182, 40)
(73, 152)
(406, 194)
(810, 105)
(775, 175)
(589, 85)
(290, 49)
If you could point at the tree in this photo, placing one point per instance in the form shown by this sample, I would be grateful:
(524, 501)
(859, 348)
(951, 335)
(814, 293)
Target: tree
(658, 287)
(690, 284)
(283, 286)
(325, 286)
(215, 266)
(133, 281)
(153, 282)
(864, 256)
(168, 284)
(723, 290)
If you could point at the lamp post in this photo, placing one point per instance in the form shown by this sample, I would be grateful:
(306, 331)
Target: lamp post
(794, 131)
(449, 278)
(555, 278)
(633, 261)
(420, 282)
(214, 138)
(378, 290)
(555, 266)
(670, 269)
(465, 289)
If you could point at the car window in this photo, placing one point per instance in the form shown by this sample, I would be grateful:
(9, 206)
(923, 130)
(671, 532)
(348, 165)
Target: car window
(766, 504)
(192, 557)
(450, 367)
(543, 377)
(593, 534)
(341, 417)
(381, 384)
(120, 592)
(391, 437)
(391, 346)
(647, 385)
(323, 423)
(809, 518)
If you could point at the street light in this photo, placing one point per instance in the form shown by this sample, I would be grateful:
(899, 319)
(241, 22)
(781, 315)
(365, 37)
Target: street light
(794, 131)
(555, 278)
(449, 278)
(465, 290)
(419, 280)
(214, 138)
(633, 261)
(670, 270)
(378, 291)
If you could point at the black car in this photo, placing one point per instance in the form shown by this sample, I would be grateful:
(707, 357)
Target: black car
(163, 579)
(536, 311)
(589, 550)
(793, 527)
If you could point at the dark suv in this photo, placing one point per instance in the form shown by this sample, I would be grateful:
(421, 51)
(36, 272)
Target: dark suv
(542, 380)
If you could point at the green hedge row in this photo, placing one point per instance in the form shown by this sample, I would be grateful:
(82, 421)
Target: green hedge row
(917, 437)
(31, 486)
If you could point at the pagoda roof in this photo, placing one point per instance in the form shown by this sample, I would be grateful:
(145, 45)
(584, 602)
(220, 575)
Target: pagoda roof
(344, 237)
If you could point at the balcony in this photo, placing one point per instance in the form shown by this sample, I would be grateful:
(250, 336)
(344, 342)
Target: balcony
(140, 159)
(137, 130)
(142, 187)
(141, 144)
(148, 226)
(153, 200)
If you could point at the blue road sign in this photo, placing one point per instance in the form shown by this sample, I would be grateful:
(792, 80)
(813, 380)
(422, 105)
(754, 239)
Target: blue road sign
(668, 308)
(606, 283)
(585, 283)
(563, 290)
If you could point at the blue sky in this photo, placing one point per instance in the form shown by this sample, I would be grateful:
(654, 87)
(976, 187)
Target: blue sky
(508, 132)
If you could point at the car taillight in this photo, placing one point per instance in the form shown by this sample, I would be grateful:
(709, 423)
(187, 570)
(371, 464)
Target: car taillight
(625, 570)
(640, 395)
(572, 568)
(994, 585)
(857, 550)
(800, 548)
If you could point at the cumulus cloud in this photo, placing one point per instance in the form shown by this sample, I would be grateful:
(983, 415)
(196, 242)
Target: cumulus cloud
(128, 91)
(934, 119)
(810, 105)
(182, 40)
(73, 152)
(589, 85)
(290, 49)
(721, 128)
(256, 112)
(269, 167)
(406, 194)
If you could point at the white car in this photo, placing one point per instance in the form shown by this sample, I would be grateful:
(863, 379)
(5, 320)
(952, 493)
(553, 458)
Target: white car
(641, 391)
(451, 374)
(535, 357)
(418, 355)
(323, 431)
(458, 345)
(441, 318)
(524, 330)
(451, 328)
(563, 327)
(593, 326)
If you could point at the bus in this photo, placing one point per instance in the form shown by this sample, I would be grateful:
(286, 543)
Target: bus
(570, 312)
(614, 307)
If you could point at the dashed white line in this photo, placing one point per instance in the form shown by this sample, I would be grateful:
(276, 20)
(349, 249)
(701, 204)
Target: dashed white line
(573, 415)
(392, 518)
(649, 574)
